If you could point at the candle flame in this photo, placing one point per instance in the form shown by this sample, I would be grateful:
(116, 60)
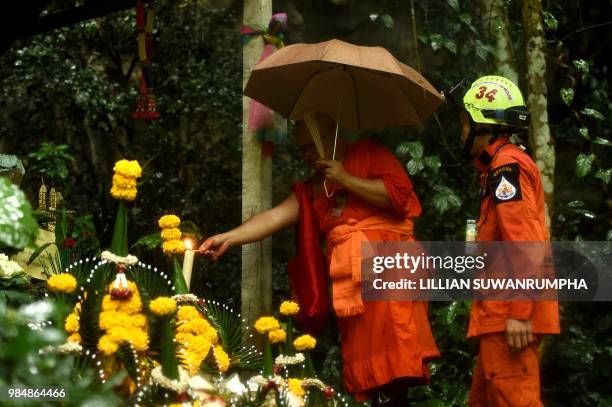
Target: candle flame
(188, 244)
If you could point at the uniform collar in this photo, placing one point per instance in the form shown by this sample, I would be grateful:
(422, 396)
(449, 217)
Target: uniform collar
(484, 159)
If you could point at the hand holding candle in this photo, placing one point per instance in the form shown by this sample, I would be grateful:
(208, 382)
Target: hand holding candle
(188, 262)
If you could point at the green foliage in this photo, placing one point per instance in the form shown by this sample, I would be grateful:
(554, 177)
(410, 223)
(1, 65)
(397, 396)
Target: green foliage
(23, 365)
(230, 329)
(18, 228)
(51, 161)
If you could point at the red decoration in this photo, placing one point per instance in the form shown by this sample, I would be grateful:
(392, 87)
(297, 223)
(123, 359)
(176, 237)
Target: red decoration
(146, 108)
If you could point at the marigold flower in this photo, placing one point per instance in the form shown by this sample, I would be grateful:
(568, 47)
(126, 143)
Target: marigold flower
(131, 306)
(121, 194)
(122, 182)
(62, 283)
(289, 308)
(108, 304)
(198, 345)
(304, 342)
(187, 313)
(196, 326)
(118, 334)
(171, 234)
(222, 359)
(277, 336)
(139, 321)
(163, 306)
(266, 324)
(169, 221)
(173, 247)
(139, 339)
(71, 325)
(128, 168)
(295, 387)
(125, 180)
(107, 346)
(75, 337)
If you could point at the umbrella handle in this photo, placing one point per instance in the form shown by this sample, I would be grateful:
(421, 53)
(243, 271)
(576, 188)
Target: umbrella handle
(334, 151)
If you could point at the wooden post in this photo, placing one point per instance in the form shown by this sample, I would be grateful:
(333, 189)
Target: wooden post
(256, 288)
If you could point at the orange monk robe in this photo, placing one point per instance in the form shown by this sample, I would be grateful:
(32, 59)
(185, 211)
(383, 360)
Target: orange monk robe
(389, 339)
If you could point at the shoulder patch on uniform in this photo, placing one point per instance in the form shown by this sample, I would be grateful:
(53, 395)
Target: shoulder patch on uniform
(504, 182)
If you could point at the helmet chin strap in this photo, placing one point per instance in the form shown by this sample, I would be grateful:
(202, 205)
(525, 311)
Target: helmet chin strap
(469, 143)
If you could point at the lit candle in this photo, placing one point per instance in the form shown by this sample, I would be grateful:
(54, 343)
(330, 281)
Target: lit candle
(188, 262)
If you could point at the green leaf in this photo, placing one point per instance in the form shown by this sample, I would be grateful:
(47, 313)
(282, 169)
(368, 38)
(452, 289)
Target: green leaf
(387, 20)
(567, 94)
(550, 21)
(584, 132)
(433, 162)
(415, 166)
(436, 41)
(454, 4)
(581, 65)
(450, 45)
(576, 204)
(465, 18)
(583, 164)
(119, 245)
(604, 175)
(596, 114)
(413, 148)
(18, 227)
(149, 242)
(37, 252)
(440, 202)
(602, 141)
(179, 280)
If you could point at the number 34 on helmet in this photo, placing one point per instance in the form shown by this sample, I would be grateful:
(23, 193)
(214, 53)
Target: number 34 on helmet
(497, 101)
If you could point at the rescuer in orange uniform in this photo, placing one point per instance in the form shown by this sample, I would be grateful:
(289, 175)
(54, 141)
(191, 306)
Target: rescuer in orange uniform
(511, 209)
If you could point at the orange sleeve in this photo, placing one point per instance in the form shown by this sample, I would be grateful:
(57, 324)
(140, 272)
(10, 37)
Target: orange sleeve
(385, 166)
(513, 198)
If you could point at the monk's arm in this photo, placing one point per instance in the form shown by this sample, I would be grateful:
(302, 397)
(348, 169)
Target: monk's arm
(370, 190)
(254, 229)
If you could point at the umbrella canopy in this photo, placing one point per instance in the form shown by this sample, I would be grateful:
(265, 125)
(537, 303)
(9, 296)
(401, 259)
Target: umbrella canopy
(362, 87)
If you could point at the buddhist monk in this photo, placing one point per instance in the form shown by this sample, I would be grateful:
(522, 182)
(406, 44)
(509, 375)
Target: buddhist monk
(385, 344)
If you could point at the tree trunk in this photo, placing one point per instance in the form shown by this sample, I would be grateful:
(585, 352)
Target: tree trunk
(540, 138)
(497, 26)
(256, 286)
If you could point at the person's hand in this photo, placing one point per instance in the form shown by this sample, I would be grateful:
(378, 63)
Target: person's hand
(518, 333)
(215, 246)
(334, 171)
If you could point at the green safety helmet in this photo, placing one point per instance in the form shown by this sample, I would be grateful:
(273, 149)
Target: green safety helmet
(496, 101)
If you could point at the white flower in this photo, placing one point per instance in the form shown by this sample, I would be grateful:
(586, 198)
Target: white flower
(8, 268)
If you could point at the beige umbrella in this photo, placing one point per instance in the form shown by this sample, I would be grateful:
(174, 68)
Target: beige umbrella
(362, 87)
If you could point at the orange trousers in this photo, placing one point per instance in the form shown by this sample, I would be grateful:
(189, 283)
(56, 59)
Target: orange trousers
(504, 377)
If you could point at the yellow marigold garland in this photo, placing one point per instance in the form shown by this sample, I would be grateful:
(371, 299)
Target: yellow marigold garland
(222, 359)
(122, 322)
(195, 336)
(173, 247)
(171, 234)
(163, 306)
(169, 221)
(295, 387)
(266, 324)
(125, 180)
(289, 308)
(304, 342)
(277, 336)
(62, 283)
